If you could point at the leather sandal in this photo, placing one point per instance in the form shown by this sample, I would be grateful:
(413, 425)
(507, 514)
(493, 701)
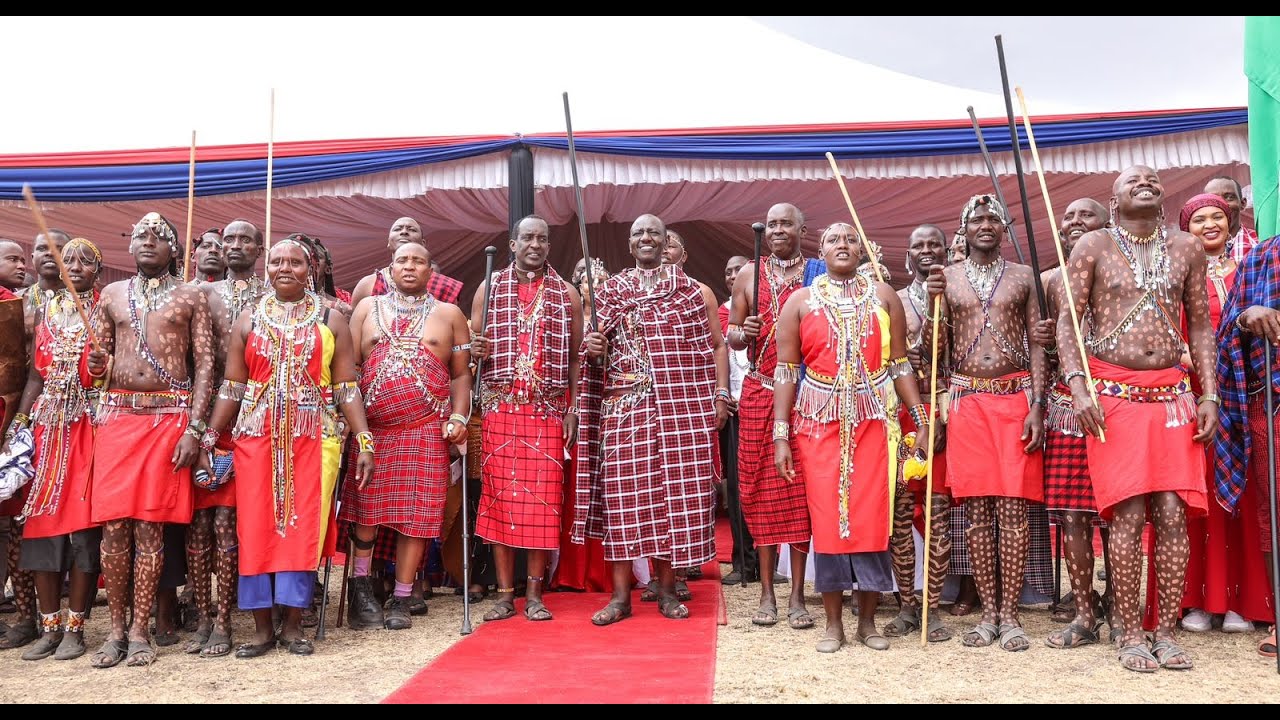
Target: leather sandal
(610, 614)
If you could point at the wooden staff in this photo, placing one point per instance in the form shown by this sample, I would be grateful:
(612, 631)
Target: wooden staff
(191, 204)
(928, 482)
(995, 181)
(62, 267)
(582, 217)
(271, 137)
(758, 229)
(1016, 147)
(866, 244)
(1269, 399)
(1062, 260)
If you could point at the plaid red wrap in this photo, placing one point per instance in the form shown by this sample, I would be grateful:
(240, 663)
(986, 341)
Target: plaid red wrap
(553, 330)
(1067, 485)
(775, 510)
(440, 286)
(411, 460)
(644, 476)
(523, 451)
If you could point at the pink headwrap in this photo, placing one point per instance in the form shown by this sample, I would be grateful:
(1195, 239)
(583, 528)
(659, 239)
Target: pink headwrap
(1202, 200)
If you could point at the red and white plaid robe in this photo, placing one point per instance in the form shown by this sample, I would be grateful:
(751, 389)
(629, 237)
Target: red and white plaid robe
(645, 461)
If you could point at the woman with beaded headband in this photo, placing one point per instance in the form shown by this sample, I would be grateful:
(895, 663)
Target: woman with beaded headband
(837, 435)
(417, 390)
(290, 370)
(1226, 569)
(59, 535)
(150, 419)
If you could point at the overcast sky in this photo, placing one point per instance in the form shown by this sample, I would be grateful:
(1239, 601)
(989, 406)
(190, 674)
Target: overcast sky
(111, 83)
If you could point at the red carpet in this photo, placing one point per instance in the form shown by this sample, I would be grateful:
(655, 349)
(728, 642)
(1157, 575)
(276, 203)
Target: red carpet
(643, 659)
(724, 540)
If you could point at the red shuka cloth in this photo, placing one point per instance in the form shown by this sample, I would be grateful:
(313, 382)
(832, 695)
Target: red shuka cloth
(133, 475)
(70, 444)
(1141, 456)
(985, 430)
(816, 448)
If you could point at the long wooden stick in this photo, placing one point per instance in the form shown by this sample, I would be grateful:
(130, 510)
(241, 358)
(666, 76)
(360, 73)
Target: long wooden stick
(928, 482)
(62, 267)
(866, 244)
(271, 138)
(1062, 259)
(191, 204)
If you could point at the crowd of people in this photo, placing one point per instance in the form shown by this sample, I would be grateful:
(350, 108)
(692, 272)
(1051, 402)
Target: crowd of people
(253, 428)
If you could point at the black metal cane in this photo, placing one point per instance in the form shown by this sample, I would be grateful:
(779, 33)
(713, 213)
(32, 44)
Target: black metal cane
(1269, 397)
(489, 253)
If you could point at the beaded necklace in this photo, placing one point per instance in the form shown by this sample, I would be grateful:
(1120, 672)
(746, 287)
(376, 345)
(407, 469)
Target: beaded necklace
(63, 401)
(239, 294)
(145, 297)
(287, 328)
(849, 309)
(1148, 259)
(648, 278)
(400, 320)
(1217, 272)
(915, 293)
(985, 280)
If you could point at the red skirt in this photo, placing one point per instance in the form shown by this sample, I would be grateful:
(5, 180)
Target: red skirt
(74, 505)
(523, 482)
(133, 475)
(986, 430)
(776, 511)
(1141, 455)
(817, 453)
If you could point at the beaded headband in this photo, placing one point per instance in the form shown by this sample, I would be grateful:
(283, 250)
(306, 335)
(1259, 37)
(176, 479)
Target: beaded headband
(79, 242)
(972, 206)
(156, 224)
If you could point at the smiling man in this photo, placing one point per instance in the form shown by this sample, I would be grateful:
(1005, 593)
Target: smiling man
(996, 414)
(645, 467)
(1135, 279)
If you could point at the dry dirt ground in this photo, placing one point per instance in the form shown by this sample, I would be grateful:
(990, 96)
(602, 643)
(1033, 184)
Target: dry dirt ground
(754, 665)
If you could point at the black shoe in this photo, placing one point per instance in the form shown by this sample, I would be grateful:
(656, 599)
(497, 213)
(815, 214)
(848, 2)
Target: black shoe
(365, 612)
(397, 614)
(732, 578)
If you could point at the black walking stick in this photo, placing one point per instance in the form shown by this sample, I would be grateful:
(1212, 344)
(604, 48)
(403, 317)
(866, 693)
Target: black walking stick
(758, 228)
(1269, 397)
(489, 253)
(1016, 147)
(582, 218)
(995, 182)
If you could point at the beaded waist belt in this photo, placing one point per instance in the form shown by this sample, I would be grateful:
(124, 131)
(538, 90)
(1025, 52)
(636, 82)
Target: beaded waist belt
(761, 378)
(1140, 393)
(992, 386)
(828, 380)
(147, 403)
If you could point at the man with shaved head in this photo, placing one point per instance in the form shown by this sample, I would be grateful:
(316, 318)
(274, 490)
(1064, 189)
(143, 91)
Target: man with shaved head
(649, 414)
(775, 509)
(13, 356)
(405, 230)
(1135, 279)
(412, 352)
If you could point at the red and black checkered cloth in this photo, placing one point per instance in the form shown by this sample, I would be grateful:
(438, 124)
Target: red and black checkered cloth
(554, 331)
(645, 486)
(1067, 487)
(411, 461)
(775, 510)
(523, 491)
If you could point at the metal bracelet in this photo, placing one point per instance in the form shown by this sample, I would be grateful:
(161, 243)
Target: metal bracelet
(900, 367)
(786, 373)
(345, 392)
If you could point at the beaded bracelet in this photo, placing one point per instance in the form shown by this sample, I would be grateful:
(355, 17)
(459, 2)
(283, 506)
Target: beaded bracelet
(210, 439)
(919, 415)
(786, 373)
(365, 441)
(1073, 374)
(232, 390)
(723, 394)
(22, 420)
(900, 367)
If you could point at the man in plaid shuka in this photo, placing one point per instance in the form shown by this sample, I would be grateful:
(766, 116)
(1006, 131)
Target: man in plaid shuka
(649, 417)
